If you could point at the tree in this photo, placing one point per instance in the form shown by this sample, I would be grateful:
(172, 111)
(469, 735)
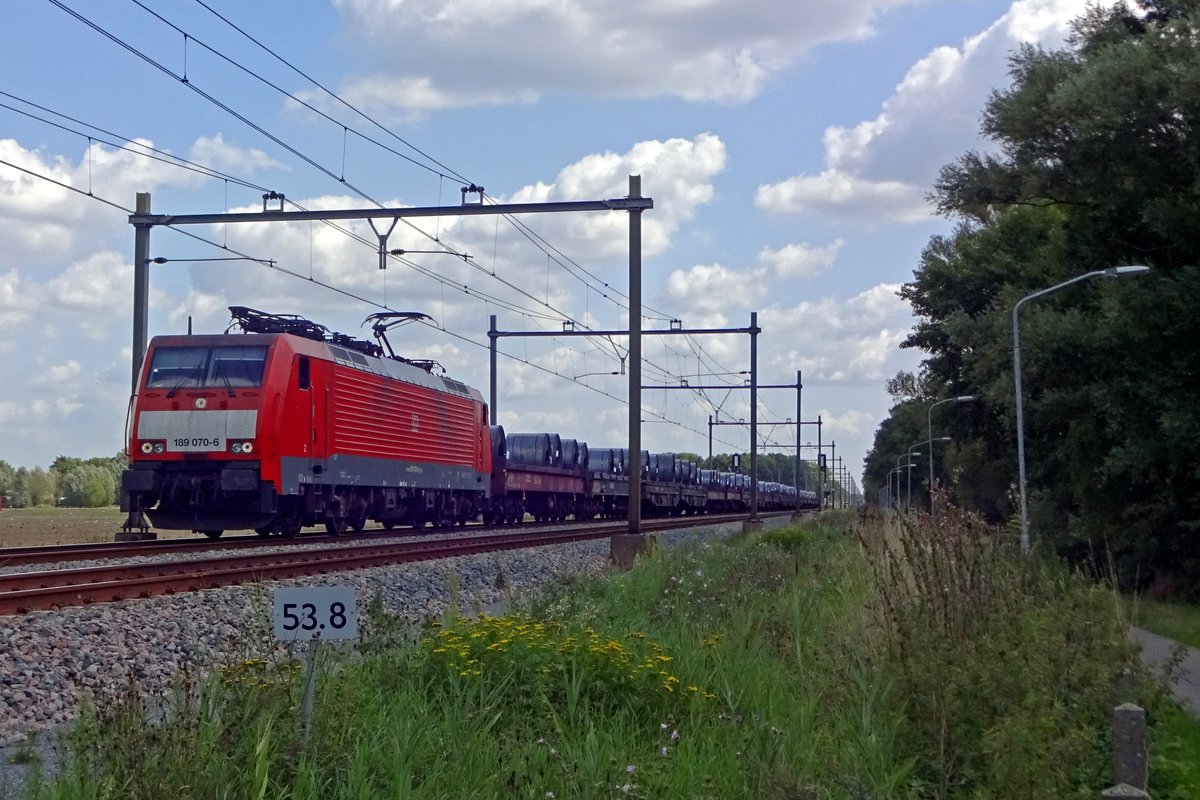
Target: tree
(64, 464)
(1098, 163)
(89, 486)
(42, 487)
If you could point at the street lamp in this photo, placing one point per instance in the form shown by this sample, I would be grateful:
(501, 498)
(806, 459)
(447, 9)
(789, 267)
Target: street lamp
(908, 496)
(1111, 272)
(966, 398)
(908, 465)
(590, 374)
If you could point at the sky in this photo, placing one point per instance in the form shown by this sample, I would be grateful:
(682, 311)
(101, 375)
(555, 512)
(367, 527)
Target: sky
(788, 148)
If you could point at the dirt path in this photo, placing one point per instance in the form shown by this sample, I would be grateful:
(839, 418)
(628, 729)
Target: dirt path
(1158, 650)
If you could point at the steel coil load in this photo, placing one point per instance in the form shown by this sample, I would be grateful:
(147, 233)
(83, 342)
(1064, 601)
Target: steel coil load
(570, 454)
(606, 461)
(663, 467)
(532, 449)
(499, 445)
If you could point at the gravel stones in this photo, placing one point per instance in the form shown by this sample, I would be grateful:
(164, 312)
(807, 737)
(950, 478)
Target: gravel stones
(51, 660)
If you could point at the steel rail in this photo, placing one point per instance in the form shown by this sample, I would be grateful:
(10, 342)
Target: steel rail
(50, 589)
(50, 554)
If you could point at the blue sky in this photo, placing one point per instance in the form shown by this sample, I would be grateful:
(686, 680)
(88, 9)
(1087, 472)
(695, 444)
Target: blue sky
(787, 147)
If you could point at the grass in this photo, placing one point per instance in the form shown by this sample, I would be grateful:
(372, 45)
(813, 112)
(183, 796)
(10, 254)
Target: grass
(803, 664)
(1178, 621)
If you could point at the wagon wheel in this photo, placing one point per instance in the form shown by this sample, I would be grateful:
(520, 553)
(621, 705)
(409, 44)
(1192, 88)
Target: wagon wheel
(336, 526)
(267, 530)
(212, 534)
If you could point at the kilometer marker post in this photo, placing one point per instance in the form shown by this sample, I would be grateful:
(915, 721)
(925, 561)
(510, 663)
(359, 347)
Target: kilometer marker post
(314, 614)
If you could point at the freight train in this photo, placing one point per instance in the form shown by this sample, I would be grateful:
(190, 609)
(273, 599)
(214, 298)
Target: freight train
(287, 425)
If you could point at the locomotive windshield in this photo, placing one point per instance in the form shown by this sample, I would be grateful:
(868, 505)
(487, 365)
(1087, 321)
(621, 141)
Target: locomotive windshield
(199, 367)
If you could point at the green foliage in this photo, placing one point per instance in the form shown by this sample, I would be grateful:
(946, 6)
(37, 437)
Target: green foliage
(1174, 768)
(42, 487)
(1097, 166)
(1009, 666)
(89, 486)
(77, 482)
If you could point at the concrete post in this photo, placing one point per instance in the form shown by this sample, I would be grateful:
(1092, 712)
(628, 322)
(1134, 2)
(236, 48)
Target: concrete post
(1130, 759)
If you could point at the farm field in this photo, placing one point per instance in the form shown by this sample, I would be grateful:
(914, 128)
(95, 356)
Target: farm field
(26, 527)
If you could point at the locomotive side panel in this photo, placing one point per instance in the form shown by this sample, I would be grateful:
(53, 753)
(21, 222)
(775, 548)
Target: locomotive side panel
(373, 431)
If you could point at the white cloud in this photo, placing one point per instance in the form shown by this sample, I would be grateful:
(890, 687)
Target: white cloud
(708, 289)
(100, 282)
(852, 422)
(14, 306)
(850, 340)
(215, 152)
(681, 172)
(441, 55)
(801, 260)
(711, 287)
(835, 192)
(879, 170)
(59, 377)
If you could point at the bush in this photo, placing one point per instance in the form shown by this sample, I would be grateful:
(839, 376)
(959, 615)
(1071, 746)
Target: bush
(1008, 665)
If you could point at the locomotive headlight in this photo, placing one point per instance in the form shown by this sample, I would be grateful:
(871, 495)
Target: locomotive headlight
(241, 447)
(247, 447)
(158, 447)
(147, 448)
(236, 447)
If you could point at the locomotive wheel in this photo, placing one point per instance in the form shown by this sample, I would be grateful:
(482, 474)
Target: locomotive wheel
(290, 519)
(213, 534)
(336, 526)
(358, 522)
(266, 530)
(290, 528)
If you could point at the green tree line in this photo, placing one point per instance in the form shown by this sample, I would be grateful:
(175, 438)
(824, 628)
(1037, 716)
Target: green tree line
(69, 481)
(1098, 165)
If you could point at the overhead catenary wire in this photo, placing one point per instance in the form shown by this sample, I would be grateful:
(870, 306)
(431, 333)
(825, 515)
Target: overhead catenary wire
(191, 84)
(604, 289)
(351, 295)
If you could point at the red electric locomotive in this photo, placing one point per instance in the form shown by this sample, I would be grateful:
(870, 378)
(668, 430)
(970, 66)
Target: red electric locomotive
(287, 425)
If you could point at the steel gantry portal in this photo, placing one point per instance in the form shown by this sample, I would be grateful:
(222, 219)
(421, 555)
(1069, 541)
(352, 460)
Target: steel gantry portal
(144, 221)
(634, 458)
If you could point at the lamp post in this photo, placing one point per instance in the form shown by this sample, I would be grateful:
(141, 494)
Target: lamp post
(908, 494)
(909, 465)
(966, 398)
(1111, 272)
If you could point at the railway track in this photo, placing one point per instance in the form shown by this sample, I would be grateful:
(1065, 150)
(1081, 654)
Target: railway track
(50, 589)
(51, 554)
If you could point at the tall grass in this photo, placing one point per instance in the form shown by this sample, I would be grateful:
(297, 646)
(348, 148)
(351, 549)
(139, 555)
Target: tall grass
(1008, 665)
(802, 664)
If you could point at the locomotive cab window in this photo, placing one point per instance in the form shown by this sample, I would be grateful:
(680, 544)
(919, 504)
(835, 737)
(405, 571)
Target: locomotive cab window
(199, 367)
(304, 374)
